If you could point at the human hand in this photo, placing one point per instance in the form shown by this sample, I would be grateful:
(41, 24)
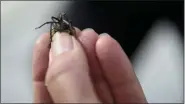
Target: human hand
(89, 69)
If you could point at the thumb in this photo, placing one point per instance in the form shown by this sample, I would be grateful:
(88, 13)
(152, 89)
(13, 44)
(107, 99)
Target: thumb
(67, 78)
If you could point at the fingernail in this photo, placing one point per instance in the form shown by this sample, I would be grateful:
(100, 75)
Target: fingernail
(89, 30)
(62, 42)
(104, 34)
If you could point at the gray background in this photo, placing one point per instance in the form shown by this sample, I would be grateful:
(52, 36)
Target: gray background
(158, 61)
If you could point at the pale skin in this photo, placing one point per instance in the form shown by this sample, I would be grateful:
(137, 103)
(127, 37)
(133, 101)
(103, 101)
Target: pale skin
(90, 69)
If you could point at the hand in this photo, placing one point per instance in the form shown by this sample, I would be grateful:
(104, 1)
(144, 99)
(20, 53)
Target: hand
(89, 69)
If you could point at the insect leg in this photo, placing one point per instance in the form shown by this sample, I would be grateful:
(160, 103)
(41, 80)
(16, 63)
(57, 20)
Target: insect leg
(61, 17)
(45, 24)
(66, 17)
(51, 33)
(54, 19)
(63, 14)
(49, 45)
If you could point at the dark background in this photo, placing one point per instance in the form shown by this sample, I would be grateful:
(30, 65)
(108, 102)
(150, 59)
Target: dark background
(127, 22)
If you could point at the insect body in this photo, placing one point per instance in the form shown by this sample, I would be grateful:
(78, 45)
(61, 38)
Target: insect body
(60, 24)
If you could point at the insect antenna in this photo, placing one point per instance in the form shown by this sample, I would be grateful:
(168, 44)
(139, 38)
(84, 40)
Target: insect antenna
(45, 24)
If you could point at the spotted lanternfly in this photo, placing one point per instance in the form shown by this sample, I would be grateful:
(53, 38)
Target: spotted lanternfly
(60, 24)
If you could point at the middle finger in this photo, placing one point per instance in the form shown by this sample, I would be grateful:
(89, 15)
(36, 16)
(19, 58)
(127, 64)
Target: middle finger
(88, 38)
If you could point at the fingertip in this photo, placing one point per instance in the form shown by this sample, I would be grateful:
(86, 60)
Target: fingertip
(43, 39)
(105, 37)
(105, 42)
(89, 31)
(107, 48)
(88, 37)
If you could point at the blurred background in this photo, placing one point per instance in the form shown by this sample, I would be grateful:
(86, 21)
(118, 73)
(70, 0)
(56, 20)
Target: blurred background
(151, 34)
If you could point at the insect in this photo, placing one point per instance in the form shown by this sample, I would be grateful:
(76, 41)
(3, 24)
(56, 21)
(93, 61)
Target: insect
(60, 24)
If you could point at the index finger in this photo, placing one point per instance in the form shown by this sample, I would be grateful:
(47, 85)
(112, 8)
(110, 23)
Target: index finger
(40, 66)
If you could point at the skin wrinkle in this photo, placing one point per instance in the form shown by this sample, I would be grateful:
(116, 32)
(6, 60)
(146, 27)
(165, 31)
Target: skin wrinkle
(61, 72)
